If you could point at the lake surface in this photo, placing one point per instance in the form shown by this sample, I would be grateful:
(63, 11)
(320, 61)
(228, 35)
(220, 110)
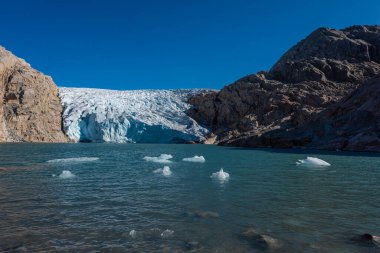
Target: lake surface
(302, 209)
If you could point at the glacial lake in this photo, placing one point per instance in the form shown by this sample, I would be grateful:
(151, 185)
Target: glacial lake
(112, 201)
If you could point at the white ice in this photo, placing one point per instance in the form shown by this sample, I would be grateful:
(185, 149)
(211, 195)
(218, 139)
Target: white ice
(312, 161)
(66, 174)
(133, 233)
(163, 158)
(167, 233)
(155, 116)
(164, 171)
(220, 175)
(195, 159)
(74, 160)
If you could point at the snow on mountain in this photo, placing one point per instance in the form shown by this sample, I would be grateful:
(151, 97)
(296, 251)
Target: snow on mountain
(150, 116)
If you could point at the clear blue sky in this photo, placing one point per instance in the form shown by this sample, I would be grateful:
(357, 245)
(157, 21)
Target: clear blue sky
(165, 43)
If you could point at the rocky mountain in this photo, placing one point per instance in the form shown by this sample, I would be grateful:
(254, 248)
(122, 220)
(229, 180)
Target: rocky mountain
(31, 109)
(148, 116)
(264, 108)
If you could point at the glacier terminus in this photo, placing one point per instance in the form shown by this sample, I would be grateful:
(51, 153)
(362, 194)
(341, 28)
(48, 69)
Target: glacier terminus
(136, 116)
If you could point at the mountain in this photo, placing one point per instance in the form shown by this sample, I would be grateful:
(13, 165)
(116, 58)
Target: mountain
(147, 116)
(264, 108)
(31, 109)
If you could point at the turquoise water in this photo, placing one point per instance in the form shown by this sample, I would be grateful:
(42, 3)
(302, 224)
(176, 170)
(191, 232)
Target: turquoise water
(304, 209)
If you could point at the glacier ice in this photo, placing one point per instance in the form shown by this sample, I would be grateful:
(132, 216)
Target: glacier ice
(74, 160)
(66, 174)
(163, 158)
(220, 175)
(195, 159)
(312, 161)
(142, 116)
(165, 171)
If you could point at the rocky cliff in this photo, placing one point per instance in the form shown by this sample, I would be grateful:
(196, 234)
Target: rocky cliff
(30, 109)
(314, 75)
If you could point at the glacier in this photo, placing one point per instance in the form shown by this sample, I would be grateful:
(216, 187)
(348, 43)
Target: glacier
(135, 116)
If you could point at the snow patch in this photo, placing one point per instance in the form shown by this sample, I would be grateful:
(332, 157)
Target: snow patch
(163, 158)
(195, 159)
(165, 171)
(66, 174)
(312, 161)
(220, 175)
(74, 160)
(150, 116)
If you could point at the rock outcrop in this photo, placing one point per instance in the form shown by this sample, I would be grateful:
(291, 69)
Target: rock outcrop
(31, 110)
(313, 75)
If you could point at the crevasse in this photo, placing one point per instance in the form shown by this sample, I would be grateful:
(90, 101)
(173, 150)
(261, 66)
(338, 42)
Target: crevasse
(145, 116)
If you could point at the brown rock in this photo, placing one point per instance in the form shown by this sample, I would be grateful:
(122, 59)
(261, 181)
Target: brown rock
(31, 110)
(264, 108)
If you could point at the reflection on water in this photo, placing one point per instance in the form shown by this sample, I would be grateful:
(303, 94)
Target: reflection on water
(115, 203)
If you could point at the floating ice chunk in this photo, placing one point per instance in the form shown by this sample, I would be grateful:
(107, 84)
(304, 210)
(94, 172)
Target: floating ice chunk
(163, 158)
(66, 174)
(195, 159)
(312, 161)
(221, 175)
(133, 233)
(53, 175)
(165, 171)
(167, 233)
(74, 160)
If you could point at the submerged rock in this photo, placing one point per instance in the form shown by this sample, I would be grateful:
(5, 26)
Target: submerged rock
(206, 214)
(260, 241)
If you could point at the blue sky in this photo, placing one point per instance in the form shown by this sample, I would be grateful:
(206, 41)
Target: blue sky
(150, 44)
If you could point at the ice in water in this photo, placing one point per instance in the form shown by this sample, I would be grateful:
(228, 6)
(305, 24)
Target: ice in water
(167, 233)
(133, 233)
(312, 161)
(74, 160)
(195, 159)
(220, 175)
(165, 171)
(163, 158)
(66, 174)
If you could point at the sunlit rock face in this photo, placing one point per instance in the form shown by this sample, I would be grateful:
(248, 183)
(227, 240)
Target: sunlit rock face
(142, 116)
(30, 109)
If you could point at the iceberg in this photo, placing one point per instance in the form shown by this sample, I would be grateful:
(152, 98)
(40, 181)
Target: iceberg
(135, 116)
(163, 158)
(66, 174)
(167, 233)
(165, 171)
(74, 160)
(220, 175)
(312, 161)
(195, 159)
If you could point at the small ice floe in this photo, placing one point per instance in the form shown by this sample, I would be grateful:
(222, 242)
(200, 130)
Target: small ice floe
(74, 160)
(220, 175)
(312, 161)
(163, 158)
(164, 171)
(133, 233)
(53, 175)
(66, 174)
(167, 233)
(195, 159)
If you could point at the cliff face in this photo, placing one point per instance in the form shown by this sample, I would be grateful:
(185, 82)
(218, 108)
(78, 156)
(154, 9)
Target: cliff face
(312, 76)
(30, 109)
